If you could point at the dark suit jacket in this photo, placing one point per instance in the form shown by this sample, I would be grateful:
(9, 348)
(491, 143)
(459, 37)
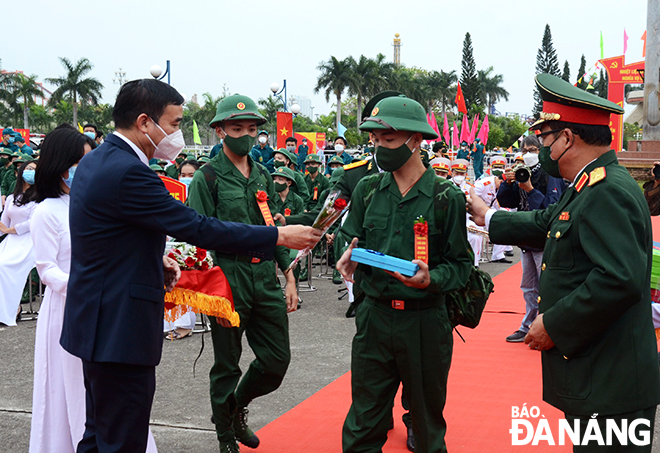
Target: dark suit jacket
(119, 215)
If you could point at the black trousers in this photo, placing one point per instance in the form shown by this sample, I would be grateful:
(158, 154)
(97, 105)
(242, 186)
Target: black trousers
(118, 404)
(592, 445)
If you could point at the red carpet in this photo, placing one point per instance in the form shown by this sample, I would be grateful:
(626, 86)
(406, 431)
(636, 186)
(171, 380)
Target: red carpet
(655, 221)
(488, 376)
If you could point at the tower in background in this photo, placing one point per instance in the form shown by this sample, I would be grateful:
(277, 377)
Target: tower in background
(397, 50)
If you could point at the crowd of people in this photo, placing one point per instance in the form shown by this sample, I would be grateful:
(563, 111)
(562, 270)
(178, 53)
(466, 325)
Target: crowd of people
(92, 214)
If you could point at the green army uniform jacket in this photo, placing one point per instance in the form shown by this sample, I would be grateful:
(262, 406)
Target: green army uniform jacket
(172, 171)
(594, 291)
(8, 182)
(293, 203)
(383, 221)
(301, 186)
(315, 188)
(236, 196)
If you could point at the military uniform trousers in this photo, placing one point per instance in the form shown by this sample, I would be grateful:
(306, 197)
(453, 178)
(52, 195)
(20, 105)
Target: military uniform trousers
(260, 303)
(393, 346)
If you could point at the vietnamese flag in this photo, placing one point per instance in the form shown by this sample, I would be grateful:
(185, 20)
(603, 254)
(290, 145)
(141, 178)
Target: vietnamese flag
(460, 100)
(284, 128)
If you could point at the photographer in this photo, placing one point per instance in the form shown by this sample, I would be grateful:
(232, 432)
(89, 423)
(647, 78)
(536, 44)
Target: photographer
(529, 187)
(652, 190)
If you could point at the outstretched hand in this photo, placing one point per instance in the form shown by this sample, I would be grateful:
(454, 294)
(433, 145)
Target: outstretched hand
(345, 265)
(477, 208)
(298, 237)
(420, 280)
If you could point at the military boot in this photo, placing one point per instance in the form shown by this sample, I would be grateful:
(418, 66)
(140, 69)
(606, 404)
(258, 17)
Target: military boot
(229, 446)
(242, 431)
(303, 271)
(336, 277)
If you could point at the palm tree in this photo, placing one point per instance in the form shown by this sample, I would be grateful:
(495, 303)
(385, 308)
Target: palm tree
(73, 86)
(40, 119)
(363, 72)
(382, 73)
(444, 90)
(491, 88)
(412, 82)
(335, 77)
(269, 108)
(27, 88)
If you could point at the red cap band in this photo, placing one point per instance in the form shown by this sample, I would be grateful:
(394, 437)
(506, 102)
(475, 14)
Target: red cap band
(578, 115)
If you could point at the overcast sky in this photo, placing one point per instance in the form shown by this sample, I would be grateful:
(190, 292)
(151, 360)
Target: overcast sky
(247, 45)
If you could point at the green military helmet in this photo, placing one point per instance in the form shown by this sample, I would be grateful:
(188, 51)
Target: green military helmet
(21, 158)
(237, 107)
(286, 173)
(336, 174)
(368, 108)
(5, 152)
(156, 167)
(204, 159)
(399, 113)
(285, 153)
(336, 160)
(313, 158)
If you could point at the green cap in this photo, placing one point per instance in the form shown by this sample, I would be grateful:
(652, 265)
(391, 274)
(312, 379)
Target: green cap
(567, 103)
(237, 107)
(285, 152)
(21, 158)
(399, 113)
(5, 151)
(204, 160)
(263, 132)
(285, 172)
(369, 107)
(312, 158)
(336, 174)
(336, 160)
(156, 167)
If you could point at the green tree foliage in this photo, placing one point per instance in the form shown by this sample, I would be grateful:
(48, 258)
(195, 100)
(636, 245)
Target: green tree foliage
(546, 62)
(269, 108)
(74, 87)
(26, 89)
(335, 78)
(631, 132)
(469, 79)
(581, 83)
(566, 75)
(601, 85)
(491, 88)
(504, 131)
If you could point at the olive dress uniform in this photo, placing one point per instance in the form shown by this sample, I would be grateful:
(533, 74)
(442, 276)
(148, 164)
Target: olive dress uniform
(414, 345)
(315, 188)
(257, 295)
(8, 181)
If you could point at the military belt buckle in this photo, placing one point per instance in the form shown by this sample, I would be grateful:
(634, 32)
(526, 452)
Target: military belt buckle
(398, 305)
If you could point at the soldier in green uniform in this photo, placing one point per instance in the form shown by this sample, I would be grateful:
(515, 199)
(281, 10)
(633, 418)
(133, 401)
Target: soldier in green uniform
(158, 169)
(230, 188)
(5, 166)
(287, 202)
(315, 182)
(9, 178)
(173, 170)
(334, 163)
(594, 328)
(403, 330)
(283, 158)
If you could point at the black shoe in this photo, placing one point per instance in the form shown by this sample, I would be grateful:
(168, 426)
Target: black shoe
(410, 442)
(502, 260)
(507, 253)
(350, 313)
(242, 431)
(336, 277)
(229, 447)
(516, 337)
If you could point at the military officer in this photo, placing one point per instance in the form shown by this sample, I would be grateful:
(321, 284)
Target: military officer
(232, 187)
(303, 150)
(594, 328)
(441, 166)
(315, 182)
(173, 170)
(398, 312)
(477, 156)
(463, 151)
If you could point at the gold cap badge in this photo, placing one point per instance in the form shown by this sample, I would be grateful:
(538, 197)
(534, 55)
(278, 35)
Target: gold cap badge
(240, 106)
(375, 111)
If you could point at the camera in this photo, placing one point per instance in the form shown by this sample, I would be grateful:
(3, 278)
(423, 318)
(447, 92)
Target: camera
(522, 173)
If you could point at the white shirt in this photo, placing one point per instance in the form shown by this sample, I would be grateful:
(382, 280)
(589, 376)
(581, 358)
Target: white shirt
(138, 151)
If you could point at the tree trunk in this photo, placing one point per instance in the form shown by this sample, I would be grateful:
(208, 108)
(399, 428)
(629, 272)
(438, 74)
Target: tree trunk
(359, 112)
(75, 111)
(338, 111)
(25, 116)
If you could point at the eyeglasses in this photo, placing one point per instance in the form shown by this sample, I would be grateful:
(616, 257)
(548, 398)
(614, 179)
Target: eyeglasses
(543, 134)
(533, 149)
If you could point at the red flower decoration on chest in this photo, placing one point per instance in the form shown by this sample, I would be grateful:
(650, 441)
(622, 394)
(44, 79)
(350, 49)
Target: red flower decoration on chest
(421, 228)
(340, 204)
(262, 196)
(287, 212)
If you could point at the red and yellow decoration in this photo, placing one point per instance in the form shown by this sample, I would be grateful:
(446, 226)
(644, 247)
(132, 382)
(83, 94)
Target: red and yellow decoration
(176, 188)
(262, 202)
(287, 212)
(596, 176)
(581, 182)
(316, 193)
(421, 229)
(240, 106)
(564, 216)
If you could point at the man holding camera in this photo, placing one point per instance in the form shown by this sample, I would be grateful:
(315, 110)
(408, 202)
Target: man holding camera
(528, 187)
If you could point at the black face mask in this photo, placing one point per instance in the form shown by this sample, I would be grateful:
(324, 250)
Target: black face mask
(391, 159)
(548, 164)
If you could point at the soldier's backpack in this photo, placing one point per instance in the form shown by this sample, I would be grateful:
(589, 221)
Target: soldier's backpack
(466, 305)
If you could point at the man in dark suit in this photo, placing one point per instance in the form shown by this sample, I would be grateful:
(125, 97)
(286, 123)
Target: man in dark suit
(120, 213)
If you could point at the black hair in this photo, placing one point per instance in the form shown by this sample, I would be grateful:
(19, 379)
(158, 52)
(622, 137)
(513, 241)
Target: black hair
(90, 142)
(148, 96)
(590, 134)
(61, 149)
(24, 197)
(66, 126)
(340, 138)
(96, 129)
(531, 141)
(192, 162)
(291, 139)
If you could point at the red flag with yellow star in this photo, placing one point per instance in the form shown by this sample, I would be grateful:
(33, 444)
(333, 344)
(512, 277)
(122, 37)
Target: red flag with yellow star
(284, 128)
(460, 100)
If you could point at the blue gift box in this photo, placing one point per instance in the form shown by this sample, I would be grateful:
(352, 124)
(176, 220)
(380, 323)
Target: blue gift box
(386, 262)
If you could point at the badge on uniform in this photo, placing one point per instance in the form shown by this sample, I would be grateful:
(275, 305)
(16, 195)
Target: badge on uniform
(596, 176)
(564, 216)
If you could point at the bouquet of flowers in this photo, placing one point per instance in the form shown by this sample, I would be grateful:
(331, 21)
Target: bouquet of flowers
(202, 287)
(333, 209)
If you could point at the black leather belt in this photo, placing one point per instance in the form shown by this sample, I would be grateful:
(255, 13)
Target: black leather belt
(412, 304)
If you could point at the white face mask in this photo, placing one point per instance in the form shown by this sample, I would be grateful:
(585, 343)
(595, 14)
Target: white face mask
(291, 148)
(262, 139)
(458, 179)
(531, 159)
(339, 148)
(170, 146)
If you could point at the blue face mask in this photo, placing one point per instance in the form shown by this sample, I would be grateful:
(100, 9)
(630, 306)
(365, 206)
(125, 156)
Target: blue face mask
(91, 135)
(68, 181)
(28, 176)
(186, 181)
(12, 139)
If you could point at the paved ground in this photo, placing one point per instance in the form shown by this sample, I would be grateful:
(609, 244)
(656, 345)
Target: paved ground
(320, 343)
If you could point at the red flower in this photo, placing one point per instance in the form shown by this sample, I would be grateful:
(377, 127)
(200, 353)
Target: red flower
(190, 261)
(340, 204)
(200, 254)
(287, 212)
(262, 196)
(177, 251)
(171, 255)
(205, 266)
(421, 228)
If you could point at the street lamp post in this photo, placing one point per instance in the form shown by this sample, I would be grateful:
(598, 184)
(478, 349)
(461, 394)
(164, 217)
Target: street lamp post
(275, 88)
(156, 72)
